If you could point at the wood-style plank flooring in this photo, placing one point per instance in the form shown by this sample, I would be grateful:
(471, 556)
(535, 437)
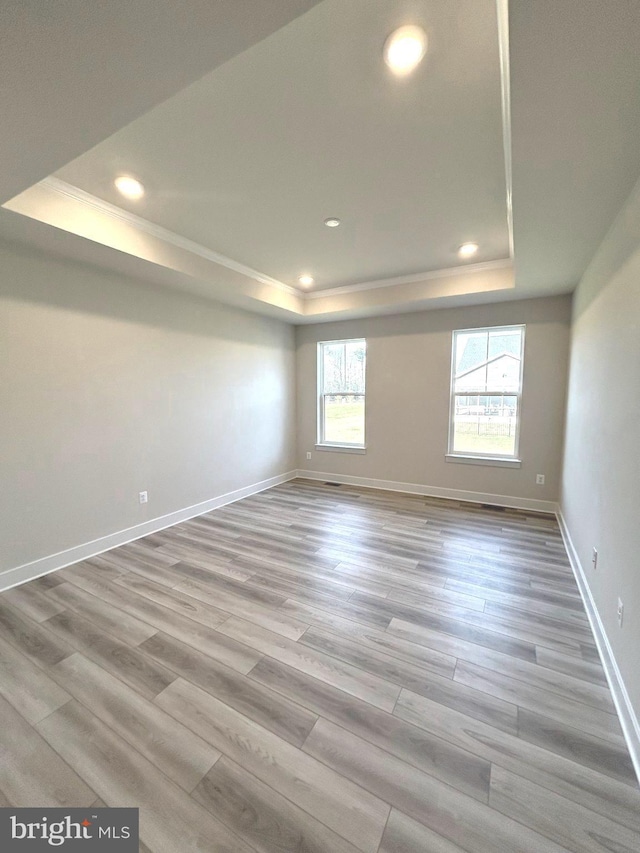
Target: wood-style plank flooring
(322, 669)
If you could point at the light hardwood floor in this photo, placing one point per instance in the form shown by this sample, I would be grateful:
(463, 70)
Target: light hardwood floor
(322, 669)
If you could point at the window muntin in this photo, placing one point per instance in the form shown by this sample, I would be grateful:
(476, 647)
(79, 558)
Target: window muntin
(341, 392)
(486, 392)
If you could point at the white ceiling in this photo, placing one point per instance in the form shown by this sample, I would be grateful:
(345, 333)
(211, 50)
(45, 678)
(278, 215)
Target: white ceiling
(250, 160)
(575, 108)
(73, 72)
(297, 118)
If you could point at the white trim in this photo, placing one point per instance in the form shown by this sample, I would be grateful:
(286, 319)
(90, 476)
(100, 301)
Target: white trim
(322, 394)
(496, 461)
(505, 91)
(488, 393)
(45, 565)
(344, 341)
(62, 188)
(530, 504)
(415, 278)
(343, 448)
(626, 714)
(140, 224)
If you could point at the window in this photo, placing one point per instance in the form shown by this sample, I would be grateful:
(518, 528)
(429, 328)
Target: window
(486, 389)
(341, 376)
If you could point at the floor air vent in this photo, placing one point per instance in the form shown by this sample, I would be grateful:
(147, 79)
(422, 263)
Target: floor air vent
(337, 485)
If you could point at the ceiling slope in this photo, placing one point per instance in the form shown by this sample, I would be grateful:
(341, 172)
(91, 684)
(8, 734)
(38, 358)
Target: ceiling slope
(73, 72)
(575, 128)
(236, 222)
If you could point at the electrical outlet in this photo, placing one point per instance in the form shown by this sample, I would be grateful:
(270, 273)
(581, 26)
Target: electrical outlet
(144, 497)
(594, 558)
(540, 479)
(620, 612)
(308, 454)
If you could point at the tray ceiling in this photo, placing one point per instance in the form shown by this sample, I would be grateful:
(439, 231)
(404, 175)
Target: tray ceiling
(299, 119)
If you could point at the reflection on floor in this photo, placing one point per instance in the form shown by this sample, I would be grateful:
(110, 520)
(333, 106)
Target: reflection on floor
(322, 668)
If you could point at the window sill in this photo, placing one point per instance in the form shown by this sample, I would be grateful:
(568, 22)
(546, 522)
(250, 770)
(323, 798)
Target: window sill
(341, 448)
(495, 461)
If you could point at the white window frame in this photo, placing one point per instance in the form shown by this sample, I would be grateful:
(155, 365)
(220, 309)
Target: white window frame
(322, 444)
(486, 458)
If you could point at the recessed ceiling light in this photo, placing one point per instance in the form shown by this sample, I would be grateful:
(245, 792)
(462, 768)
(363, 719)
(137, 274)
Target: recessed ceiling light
(332, 222)
(468, 250)
(305, 280)
(404, 49)
(128, 186)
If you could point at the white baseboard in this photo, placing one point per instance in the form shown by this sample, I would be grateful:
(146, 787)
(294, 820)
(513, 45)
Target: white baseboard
(45, 565)
(434, 491)
(628, 719)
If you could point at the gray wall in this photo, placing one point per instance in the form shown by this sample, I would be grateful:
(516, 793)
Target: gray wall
(109, 387)
(601, 481)
(408, 381)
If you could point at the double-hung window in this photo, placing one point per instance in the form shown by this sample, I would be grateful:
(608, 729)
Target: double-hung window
(486, 392)
(341, 393)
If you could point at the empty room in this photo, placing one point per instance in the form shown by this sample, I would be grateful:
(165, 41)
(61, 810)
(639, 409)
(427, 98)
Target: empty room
(319, 426)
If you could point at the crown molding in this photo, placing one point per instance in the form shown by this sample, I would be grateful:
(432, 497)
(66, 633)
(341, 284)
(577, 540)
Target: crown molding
(450, 272)
(140, 224)
(79, 196)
